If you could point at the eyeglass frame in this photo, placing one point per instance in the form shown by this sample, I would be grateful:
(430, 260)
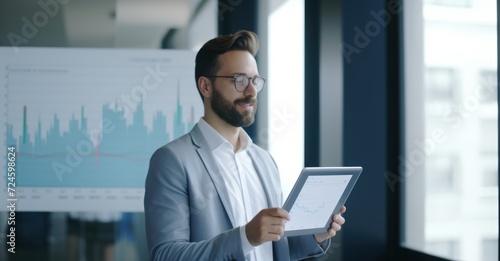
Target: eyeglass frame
(250, 79)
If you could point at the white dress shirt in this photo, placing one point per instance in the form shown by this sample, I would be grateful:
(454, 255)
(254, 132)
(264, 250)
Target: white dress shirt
(241, 180)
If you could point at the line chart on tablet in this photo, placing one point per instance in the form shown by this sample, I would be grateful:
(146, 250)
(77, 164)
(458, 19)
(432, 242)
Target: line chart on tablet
(311, 210)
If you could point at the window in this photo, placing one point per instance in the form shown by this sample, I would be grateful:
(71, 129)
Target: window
(489, 170)
(286, 88)
(490, 250)
(489, 86)
(488, 133)
(442, 170)
(456, 3)
(451, 124)
(440, 83)
(448, 248)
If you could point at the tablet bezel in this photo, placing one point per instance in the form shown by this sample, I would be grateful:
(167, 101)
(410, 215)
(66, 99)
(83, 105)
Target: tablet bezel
(320, 171)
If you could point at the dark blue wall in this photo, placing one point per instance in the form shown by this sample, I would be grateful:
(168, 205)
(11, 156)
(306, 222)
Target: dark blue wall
(365, 109)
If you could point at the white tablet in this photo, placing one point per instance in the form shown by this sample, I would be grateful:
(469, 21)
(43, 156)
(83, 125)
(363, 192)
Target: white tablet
(318, 194)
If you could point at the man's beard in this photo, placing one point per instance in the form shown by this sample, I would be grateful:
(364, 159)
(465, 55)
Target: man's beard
(228, 112)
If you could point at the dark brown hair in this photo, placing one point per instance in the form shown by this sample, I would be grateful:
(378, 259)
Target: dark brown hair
(207, 62)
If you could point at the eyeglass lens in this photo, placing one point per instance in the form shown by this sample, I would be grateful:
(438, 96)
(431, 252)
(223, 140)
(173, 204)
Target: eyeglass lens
(242, 82)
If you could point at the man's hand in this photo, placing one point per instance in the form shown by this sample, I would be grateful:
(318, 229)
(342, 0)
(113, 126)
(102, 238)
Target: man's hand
(337, 223)
(267, 225)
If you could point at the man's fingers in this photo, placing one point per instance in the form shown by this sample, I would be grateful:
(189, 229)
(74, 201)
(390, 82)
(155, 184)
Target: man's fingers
(337, 218)
(332, 233)
(336, 226)
(277, 212)
(338, 221)
(278, 230)
(276, 218)
(268, 225)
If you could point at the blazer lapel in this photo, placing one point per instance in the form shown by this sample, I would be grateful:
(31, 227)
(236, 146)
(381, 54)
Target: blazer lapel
(258, 163)
(213, 170)
(280, 248)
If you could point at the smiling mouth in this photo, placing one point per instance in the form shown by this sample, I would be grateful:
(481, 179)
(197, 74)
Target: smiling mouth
(246, 105)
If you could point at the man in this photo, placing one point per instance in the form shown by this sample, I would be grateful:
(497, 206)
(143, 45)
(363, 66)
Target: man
(212, 194)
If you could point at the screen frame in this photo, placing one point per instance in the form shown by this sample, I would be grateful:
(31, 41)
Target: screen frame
(321, 171)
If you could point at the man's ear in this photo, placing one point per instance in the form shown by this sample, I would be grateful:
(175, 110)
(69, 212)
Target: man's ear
(205, 86)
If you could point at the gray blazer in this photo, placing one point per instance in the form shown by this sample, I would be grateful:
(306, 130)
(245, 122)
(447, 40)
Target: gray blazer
(187, 206)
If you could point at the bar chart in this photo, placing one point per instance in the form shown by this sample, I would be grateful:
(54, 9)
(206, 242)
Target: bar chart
(90, 123)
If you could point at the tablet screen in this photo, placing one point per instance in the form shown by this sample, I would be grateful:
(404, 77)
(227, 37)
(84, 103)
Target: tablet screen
(311, 209)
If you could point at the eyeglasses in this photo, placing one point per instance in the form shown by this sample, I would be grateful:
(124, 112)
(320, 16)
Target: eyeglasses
(241, 82)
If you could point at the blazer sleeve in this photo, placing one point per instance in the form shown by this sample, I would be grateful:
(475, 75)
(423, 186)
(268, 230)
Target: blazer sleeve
(302, 247)
(167, 214)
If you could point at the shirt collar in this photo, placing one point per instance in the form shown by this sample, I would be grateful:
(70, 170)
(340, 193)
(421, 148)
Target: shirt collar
(215, 140)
